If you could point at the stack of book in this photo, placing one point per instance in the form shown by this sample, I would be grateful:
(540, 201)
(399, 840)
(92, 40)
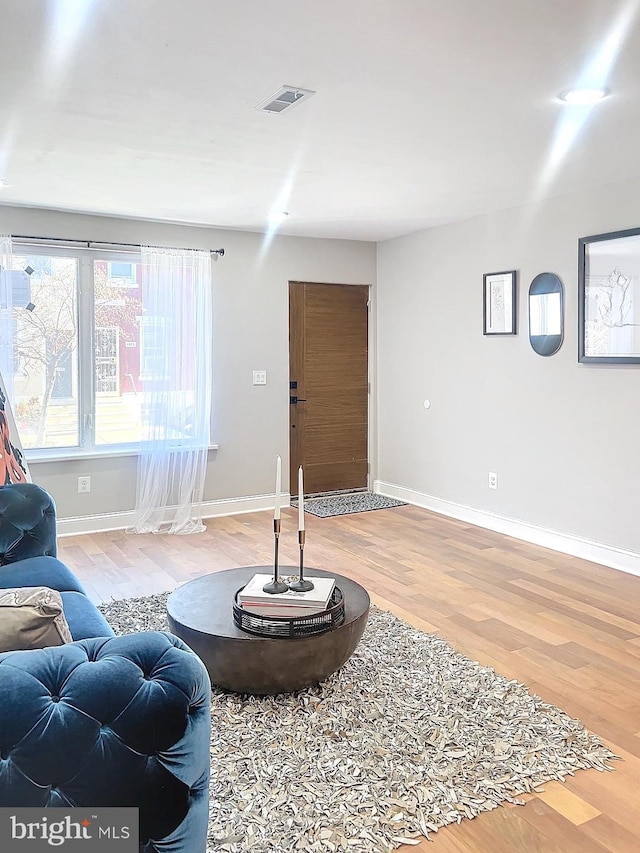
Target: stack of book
(290, 603)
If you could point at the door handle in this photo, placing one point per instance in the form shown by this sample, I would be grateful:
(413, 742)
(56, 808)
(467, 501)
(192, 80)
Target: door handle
(294, 400)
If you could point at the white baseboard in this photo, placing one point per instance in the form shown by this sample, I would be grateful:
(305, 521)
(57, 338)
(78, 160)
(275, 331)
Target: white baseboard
(120, 520)
(586, 549)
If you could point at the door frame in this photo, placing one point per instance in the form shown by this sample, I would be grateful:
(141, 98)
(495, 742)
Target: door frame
(372, 362)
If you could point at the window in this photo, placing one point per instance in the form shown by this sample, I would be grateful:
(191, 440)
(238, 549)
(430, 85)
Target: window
(78, 378)
(123, 274)
(20, 288)
(45, 381)
(153, 348)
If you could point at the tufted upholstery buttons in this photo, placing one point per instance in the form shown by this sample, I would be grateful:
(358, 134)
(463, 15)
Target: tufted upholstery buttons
(109, 721)
(28, 522)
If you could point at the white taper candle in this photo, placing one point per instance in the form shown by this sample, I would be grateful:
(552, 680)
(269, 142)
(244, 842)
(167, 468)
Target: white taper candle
(276, 512)
(300, 500)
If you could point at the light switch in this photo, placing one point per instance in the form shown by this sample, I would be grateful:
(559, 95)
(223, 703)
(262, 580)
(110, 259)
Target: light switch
(259, 377)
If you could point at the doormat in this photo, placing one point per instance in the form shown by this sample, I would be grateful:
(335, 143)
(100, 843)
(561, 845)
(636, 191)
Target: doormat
(408, 736)
(346, 504)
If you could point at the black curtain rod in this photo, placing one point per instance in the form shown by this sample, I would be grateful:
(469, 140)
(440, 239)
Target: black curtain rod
(98, 244)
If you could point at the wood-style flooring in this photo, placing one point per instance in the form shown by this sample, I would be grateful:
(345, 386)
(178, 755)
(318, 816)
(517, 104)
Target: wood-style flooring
(567, 628)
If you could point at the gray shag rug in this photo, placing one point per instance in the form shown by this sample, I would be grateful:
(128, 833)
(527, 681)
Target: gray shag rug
(407, 737)
(345, 504)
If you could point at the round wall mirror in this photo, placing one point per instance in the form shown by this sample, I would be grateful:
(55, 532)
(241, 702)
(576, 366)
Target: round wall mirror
(546, 313)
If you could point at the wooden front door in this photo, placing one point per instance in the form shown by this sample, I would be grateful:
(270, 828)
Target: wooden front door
(329, 386)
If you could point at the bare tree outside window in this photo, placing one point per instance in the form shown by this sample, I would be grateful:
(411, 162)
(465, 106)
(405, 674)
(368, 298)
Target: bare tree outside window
(46, 345)
(46, 337)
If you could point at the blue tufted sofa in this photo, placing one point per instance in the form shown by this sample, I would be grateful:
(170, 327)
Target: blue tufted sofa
(105, 720)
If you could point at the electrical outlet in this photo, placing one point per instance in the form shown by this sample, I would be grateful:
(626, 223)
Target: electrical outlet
(84, 484)
(259, 377)
(493, 480)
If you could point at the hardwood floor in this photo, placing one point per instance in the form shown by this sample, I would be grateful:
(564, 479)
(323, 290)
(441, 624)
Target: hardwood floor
(569, 629)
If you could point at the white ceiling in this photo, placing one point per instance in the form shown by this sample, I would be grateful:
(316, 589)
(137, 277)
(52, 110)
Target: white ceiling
(426, 110)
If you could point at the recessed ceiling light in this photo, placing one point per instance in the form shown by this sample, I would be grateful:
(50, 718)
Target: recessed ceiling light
(277, 216)
(583, 96)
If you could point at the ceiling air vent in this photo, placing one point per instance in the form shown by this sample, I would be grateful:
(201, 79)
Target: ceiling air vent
(284, 99)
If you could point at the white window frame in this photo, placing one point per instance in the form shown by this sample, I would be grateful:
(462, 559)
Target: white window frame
(86, 367)
(85, 301)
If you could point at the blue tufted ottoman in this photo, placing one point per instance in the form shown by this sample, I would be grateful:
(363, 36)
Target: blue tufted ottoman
(103, 721)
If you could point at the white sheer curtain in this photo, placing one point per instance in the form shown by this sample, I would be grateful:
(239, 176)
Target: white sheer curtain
(6, 314)
(175, 365)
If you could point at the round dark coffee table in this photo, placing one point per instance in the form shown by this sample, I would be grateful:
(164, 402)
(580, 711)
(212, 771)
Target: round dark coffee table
(201, 613)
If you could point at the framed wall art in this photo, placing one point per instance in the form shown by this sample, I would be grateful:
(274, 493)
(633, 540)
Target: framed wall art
(499, 303)
(609, 298)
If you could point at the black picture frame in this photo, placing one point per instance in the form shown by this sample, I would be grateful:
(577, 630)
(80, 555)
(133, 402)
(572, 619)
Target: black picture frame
(499, 309)
(609, 298)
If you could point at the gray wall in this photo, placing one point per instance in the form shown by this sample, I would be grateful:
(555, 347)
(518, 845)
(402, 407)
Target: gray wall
(562, 436)
(251, 331)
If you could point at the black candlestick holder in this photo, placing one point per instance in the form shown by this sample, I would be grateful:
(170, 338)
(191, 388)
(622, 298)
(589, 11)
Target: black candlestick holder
(276, 585)
(301, 585)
